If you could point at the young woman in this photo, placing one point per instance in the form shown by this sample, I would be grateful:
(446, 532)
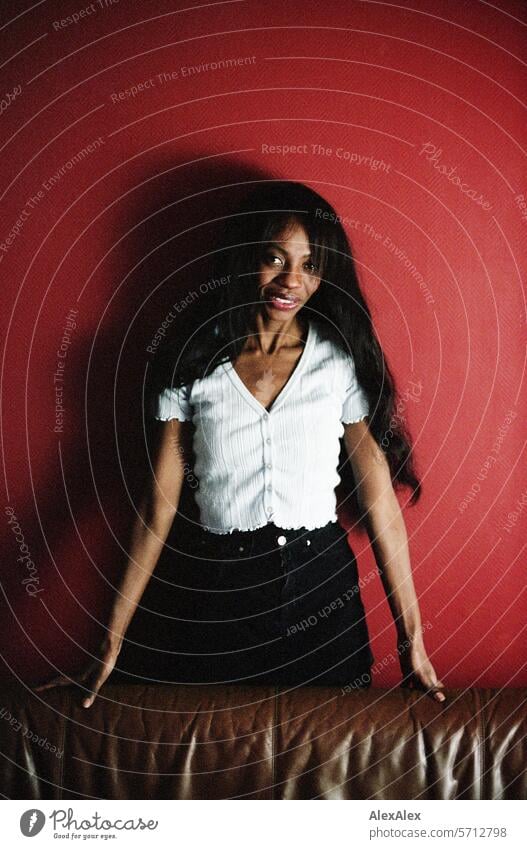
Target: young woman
(280, 377)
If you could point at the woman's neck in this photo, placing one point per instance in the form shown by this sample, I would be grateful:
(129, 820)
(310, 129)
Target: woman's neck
(270, 336)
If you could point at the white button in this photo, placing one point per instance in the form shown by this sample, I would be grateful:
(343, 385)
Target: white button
(268, 440)
(269, 488)
(281, 540)
(269, 509)
(308, 542)
(268, 465)
(240, 548)
(266, 416)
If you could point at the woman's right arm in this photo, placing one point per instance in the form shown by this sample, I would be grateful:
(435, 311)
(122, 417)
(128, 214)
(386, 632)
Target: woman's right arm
(155, 517)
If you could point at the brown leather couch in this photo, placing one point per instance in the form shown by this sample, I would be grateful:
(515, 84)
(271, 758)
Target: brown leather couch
(209, 742)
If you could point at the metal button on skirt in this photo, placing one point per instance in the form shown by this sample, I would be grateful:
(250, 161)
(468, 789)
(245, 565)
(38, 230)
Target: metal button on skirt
(271, 606)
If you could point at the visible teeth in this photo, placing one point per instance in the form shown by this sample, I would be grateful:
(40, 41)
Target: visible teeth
(283, 300)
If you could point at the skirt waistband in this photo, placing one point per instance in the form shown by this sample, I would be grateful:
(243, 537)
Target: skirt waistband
(272, 536)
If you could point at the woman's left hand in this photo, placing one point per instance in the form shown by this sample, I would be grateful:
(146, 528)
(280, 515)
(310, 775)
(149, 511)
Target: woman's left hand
(418, 671)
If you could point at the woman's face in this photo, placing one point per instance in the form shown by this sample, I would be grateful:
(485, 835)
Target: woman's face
(287, 276)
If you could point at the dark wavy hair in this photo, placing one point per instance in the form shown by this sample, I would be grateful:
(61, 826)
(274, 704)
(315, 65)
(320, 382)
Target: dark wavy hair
(216, 327)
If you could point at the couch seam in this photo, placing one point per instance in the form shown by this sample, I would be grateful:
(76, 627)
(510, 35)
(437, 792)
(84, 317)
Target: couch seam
(484, 746)
(481, 745)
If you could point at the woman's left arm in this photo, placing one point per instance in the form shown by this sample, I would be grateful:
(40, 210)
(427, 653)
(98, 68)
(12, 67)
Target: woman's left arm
(389, 540)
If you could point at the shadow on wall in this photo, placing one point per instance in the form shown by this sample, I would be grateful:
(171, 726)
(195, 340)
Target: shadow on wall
(77, 522)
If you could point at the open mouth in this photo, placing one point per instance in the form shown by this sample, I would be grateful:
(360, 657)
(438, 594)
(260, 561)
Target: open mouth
(282, 302)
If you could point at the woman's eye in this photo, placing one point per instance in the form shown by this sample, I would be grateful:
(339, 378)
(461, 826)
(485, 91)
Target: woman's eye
(274, 259)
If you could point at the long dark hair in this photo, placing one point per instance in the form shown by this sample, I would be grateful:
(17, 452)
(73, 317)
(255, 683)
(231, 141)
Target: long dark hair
(215, 329)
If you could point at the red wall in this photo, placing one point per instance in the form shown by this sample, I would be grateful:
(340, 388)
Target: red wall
(435, 93)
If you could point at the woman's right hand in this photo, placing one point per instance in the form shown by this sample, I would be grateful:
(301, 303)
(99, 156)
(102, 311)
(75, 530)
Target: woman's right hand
(93, 676)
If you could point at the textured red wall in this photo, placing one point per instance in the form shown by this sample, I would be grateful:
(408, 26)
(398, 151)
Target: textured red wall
(117, 157)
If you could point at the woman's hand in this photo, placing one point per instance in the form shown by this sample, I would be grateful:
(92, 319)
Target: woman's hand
(93, 676)
(418, 671)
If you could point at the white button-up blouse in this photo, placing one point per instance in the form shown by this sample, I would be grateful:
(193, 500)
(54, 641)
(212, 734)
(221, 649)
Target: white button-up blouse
(256, 466)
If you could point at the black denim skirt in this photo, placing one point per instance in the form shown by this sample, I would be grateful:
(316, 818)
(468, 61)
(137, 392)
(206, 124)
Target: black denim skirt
(271, 606)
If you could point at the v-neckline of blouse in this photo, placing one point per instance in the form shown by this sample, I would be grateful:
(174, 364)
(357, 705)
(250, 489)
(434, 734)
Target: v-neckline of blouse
(286, 389)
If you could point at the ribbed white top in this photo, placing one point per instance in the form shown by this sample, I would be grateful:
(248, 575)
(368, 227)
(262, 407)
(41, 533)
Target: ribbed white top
(256, 466)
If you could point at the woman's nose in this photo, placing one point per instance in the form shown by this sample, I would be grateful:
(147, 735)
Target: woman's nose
(290, 279)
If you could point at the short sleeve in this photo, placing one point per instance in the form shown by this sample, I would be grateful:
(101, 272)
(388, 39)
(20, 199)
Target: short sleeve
(355, 403)
(173, 404)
